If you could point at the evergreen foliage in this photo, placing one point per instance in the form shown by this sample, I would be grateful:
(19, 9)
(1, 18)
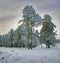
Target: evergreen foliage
(30, 19)
(47, 34)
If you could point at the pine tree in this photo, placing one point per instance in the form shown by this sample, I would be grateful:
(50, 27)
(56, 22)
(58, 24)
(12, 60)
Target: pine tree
(11, 37)
(19, 33)
(30, 19)
(47, 34)
(1, 40)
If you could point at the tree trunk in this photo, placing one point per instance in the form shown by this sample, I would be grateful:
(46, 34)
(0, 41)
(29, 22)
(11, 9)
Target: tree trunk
(27, 26)
(29, 35)
(48, 44)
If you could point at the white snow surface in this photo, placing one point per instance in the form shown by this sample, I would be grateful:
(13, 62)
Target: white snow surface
(24, 55)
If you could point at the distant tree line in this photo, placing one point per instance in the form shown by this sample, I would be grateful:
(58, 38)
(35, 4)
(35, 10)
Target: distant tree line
(17, 38)
(26, 36)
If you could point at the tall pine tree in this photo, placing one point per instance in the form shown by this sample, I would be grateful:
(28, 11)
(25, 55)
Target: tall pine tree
(47, 34)
(30, 19)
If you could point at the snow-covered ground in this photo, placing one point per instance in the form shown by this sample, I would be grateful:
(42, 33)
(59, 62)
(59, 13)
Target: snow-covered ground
(23, 55)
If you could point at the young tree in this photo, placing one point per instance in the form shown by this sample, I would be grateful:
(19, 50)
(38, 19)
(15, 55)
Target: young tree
(47, 34)
(5, 40)
(19, 36)
(1, 40)
(30, 19)
(11, 37)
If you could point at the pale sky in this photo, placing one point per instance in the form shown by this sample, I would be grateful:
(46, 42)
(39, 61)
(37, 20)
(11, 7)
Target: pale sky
(11, 12)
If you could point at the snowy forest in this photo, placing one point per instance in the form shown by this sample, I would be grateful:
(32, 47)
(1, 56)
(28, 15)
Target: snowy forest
(25, 35)
(29, 31)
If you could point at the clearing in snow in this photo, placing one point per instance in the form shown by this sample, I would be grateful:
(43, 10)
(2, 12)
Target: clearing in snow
(24, 55)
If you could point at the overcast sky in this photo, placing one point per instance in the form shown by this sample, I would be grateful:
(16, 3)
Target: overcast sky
(11, 12)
